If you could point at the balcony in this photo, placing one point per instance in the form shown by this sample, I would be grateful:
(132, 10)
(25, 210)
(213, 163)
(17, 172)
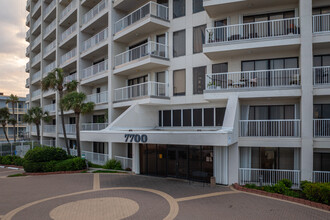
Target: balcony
(68, 10)
(147, 89)
(93, 126)
(36, 7)
(94, 12)
(36, 94)
(27, 83)
(270, 128)
(28, 35)
(321, 176)
(28, 4)
(50, 28)
(49, 129)
(70, 78)
(148, 56)
(36, 42)
(68, 33)
(36, 59)
(70, 129)
(27, 67)
(27, 52)
(321, 23)
(36, 77)
(28, 20)
(321, 128)
(96, 69)
(221, 41)
(149, 18)
(36, 25)
(66, 58)
(98, 98)
(97, 39)
(321, 75)
(50, 67)
(50, 108)
(49, 8)
(49, 48)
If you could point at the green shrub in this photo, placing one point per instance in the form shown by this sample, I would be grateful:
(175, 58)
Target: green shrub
(33, 167)
(286, 182)
(44, 154)
(303, 184)
(11, 160)
(55, 165)
(251, 186)
(7, 160)
(18, 161)
(1, 159)
(113, 165)
(317, 192)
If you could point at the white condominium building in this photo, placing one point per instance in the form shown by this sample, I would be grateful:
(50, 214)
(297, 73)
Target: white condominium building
(238, 90)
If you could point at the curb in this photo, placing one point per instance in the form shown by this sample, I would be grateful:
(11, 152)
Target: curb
(11, 166)
(52, 173)
(283, 197)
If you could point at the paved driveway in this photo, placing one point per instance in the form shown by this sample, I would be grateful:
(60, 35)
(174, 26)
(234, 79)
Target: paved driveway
(124, 196)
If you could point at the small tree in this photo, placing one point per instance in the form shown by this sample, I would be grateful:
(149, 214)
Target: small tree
(4, 117)
(34, 116)
(13, 100)
(55, 81)
(76, 101)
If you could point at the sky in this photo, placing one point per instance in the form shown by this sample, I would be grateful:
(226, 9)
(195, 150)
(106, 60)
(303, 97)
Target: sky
(13, 47)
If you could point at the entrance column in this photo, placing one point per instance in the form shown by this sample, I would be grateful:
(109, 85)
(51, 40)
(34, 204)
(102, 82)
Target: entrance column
(136, 158)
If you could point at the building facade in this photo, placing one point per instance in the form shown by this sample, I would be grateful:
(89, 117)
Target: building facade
(20, 109)
(238, 90)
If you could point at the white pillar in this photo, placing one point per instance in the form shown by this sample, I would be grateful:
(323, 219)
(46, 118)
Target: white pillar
(306, 65)
(110, 150)
(136, 158)
(233, 163)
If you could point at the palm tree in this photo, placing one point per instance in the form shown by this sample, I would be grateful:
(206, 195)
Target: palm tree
(4, 117)
(35, 115)
(76, 101)
(13, 99)
(55, 81)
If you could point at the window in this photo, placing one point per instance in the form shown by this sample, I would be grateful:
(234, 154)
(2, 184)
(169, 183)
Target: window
(219, 116)
(198, 117)
(281, 63)
(199, 38)
(179, 8)
(197, 6)
(167, 119)
(179, 82)
(199, 79)
(187, 117)
(179, 43)
(321, 60)
(176, 118)
(322, 111)
(209, 117)
(163, 2)
(272, 112)
(98, 147)
(323, 10)
(321, 162)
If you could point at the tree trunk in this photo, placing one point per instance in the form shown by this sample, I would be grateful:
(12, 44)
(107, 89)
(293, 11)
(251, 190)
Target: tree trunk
(14, 124)
(63, 125)
(38, 132)
(78, 134)
(5, 132)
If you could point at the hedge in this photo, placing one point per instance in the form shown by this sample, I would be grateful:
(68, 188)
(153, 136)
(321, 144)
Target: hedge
(11, 160)
(45, 154)
(53, 166)
(317, 192)
(113, 165)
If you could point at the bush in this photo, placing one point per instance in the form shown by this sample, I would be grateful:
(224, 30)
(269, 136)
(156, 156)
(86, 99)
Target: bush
(251, 186)
(55, 165)
(11, 160)
(45, 154)
(286, 182)
(317, 192)
(280, 188)
(33, 167)
(113, 165)
(7, 160)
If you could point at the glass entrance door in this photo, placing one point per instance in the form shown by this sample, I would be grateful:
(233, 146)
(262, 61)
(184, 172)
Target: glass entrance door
(177, 163)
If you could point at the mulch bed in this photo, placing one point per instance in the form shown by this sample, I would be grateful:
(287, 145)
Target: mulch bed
(284, 197)
(52, 173)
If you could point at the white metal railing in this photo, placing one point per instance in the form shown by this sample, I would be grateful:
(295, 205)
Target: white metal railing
(28, 33)
(93, 157)
(149, 9)
(125, 162)
(321, 75)
(28, 18)
(50, 108)
(36, 93)
(36, 24)
(321, 176)
(98, 98)
(36, 41)
(68, 32)
(321, 127)
(143, 89)
(95, 69)
(255, 30)
(28, 50)
(68, 9)
(70, 78)
(50, 67)
(93, 126)
(27, 83)
(270, 128)
(50, 47)
(94, 11)
(50, 27)
(69, 55)
(36, 76)
(36, 6)
(97, 38)
(268, 176)
(49, 128)
(321, 23)
(150, 48)
(27, 67)
(36, 59)
(50, 143)
(69, 129)
(50, 7)
(253, 79)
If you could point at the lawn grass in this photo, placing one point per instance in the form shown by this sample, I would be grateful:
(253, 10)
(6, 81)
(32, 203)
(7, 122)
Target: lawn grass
(17, 175)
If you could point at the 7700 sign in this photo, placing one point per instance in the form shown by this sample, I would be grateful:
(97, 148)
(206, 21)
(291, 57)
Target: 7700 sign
(136, 138)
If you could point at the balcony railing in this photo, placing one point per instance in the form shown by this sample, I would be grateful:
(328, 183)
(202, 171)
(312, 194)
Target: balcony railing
(36, 93)
(95, 158)
(255, 30)
(125, 162)
(321, 176)
(27, 67)
(50, 108)
(321, 128)
(36, 24)
(149, 9)
(28, 33)
(321, 75)
(93, 126)
(50, 67)
(253, 79)
(97, 38)
(27, 52)
(68, 56)
(36, 59)
(68, 9)
(36, 41)
(94, 11)
(156, 89)
(50, 143)
(50, 7)
(49, 128)
(50, 47)
(321, 23)
(95, 69)
(270, 128)
(68, 32)
(151, 48)
(36, 6)
(36, 76)
(50, 27)
(98, 98)
(69, 129)
(70, 78)
(268, 176)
